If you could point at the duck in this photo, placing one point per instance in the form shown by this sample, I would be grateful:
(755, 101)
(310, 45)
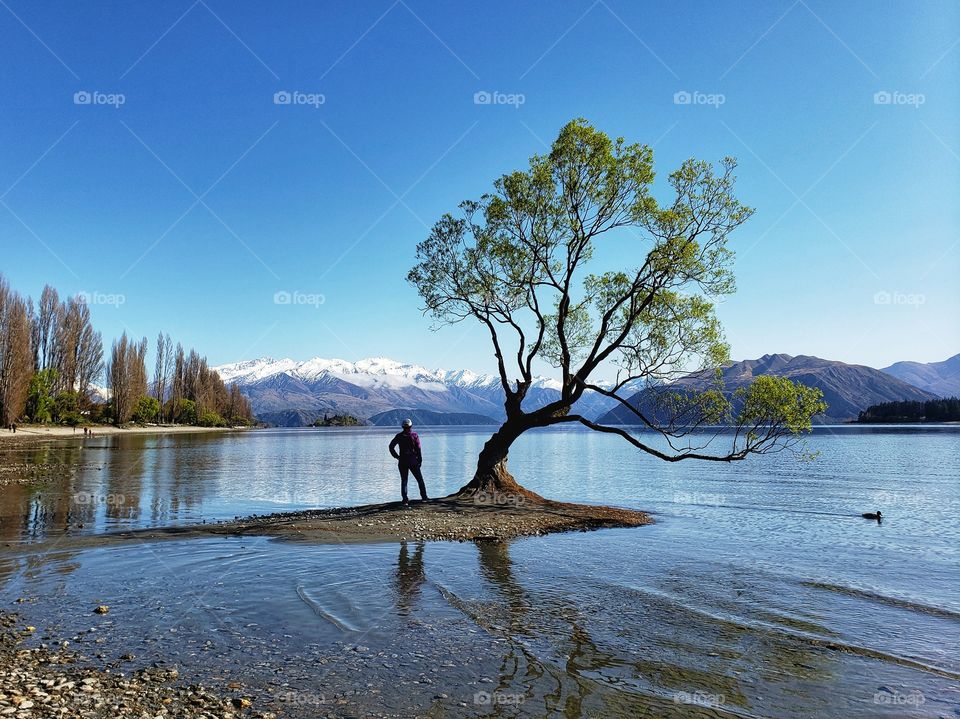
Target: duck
(873, 515)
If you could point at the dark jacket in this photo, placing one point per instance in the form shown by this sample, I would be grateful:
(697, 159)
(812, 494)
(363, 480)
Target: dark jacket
(409, 446)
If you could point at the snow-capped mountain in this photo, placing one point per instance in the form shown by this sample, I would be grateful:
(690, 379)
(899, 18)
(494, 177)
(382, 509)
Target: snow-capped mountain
(285, 391)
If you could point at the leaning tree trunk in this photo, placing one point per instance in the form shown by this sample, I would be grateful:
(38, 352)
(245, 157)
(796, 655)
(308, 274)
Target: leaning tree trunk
(492, 483)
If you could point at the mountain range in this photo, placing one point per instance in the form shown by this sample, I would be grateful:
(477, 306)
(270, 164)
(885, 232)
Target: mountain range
(289, 393)
(847, 388)
(941, 378)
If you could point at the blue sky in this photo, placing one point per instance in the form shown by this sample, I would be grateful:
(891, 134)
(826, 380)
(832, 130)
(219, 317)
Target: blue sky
(199, 198)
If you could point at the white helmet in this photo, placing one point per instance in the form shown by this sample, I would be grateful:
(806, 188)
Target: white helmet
(407, 422)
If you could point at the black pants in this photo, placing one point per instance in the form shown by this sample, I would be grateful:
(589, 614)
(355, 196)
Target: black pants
(415, 468)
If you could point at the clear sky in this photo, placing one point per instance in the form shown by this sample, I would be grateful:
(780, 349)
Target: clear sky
(178, 185)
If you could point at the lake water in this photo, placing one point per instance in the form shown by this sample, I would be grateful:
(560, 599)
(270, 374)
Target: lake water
(759, 592)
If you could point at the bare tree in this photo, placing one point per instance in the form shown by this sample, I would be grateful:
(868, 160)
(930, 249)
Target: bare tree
(16, 355)
(89, 366)
(178, 383)
(45, 327)
(516, 260)
(138, 370)
(128, 376)
(161, 374)
(75, 349)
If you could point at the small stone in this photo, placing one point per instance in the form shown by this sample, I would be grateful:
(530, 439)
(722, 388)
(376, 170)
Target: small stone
(102, 609)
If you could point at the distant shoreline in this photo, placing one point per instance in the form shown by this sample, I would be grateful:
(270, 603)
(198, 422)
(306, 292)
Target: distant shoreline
(39, 432)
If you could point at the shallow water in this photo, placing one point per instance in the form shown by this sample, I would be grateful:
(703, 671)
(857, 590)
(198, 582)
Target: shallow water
(759, 592)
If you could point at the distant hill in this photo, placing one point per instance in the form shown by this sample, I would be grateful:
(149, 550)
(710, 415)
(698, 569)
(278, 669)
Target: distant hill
(393, 418)
(940, 378)
(290, 417)
(847, 388)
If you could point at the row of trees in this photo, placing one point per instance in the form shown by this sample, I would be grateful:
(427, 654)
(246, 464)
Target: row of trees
(185, 390)
(51, 359)
(933, 410)
(50, 355)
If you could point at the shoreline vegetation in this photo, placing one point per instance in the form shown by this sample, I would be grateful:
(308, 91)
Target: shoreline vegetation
(945, 410)
(338, 420)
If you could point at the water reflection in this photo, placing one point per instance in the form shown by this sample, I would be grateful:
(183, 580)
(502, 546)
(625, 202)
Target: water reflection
(104, 483)
(409, 577)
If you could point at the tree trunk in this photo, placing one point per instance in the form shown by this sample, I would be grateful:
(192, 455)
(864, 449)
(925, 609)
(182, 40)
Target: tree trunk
(492, 483)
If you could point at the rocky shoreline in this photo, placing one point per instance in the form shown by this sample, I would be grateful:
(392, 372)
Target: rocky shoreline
(447, 519)
(49, 680)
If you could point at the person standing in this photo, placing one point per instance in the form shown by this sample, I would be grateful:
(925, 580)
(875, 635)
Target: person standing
(405, 448)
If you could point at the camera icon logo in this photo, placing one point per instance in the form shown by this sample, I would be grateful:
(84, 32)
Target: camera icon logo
(482, 698)
(282, 97)
(82, 97)
(883, 97)
(482, 98)
(282, 298)
(682, 97)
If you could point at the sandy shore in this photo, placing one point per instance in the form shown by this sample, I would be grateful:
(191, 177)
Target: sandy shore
(33, 432)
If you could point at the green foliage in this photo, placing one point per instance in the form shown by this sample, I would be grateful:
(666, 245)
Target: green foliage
(516, 258)
(778, 402)
(66, 408)
(147, 409)
(209, 418)
(40, 400)
(101, 413)
(185, 412)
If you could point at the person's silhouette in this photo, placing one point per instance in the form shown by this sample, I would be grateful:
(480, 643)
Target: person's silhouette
(405, 448)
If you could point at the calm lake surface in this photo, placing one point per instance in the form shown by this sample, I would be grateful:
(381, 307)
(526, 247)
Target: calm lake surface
(759, 592)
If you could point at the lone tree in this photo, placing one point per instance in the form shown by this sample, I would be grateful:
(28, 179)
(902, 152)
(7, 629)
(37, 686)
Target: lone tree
(516, 261)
